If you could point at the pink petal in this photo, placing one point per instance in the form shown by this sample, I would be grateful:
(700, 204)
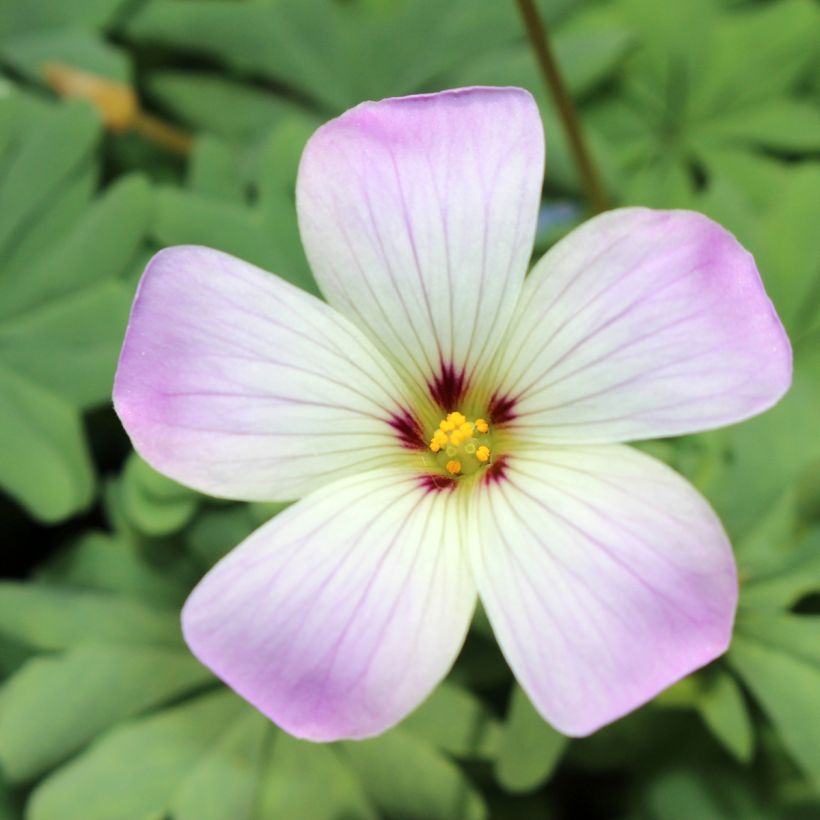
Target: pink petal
(642, 324)
(340, 615)
(418, 216)
(236, 383)
(606, 577)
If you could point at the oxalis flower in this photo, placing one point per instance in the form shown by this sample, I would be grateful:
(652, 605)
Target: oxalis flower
(452, 429)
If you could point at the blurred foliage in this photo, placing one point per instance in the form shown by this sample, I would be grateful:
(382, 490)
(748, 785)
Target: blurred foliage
(104, 715)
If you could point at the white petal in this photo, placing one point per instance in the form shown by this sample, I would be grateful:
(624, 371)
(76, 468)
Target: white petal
(418, 216)
(642, 324)
(606, 578)
(340, 615)
(238, 384)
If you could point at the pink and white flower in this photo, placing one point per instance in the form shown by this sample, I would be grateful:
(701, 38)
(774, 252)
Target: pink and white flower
(452, 429)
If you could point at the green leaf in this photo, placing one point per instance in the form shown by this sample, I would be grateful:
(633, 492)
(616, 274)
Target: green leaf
(75, 47)
(201, 100)
(781, 37)
(97, 250)
(770, 451)
(778, 657)
(154, 504)
(289, 784)
(455, 721)
(104, 562)
(70, 345)
(45, 14)
(683, 794)
(224, 782)
(54, 705)
(214, 170)
(216, 531)
(783, 124)
(530, 748)
(44, 464)
(57, 140)
(134, 771)
(405, 777)
(723, 709)
(789, 256)
(787, 579)
(49, 617)
(183, 218)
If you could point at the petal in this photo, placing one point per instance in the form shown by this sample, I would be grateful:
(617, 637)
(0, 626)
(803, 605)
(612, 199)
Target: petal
(340, 615)
(606, 577)
(642, 324)
(236, 383)
(418, 216)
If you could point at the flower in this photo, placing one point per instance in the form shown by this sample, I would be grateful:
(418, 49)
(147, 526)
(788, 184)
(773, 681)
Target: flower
(452, 429)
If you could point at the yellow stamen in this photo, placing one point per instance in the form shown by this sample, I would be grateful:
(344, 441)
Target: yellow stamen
(462, 446)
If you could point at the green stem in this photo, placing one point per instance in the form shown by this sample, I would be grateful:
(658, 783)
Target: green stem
(537, 31)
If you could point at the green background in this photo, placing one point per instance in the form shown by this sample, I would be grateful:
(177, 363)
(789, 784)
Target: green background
(704, 104)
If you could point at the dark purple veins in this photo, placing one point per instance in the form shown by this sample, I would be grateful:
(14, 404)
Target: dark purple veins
(448, 387)
(501, 409)
(408, 430)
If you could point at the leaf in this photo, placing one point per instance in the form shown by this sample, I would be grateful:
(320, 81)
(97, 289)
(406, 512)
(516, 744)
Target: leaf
(214, 170)
(97, 250)
(682, 793)
(405, 777)
(787, 579)
(54, 705)
(44, 463)
(455, 721)
(104, 562)
(770, 451)
(48, 617)
(530, 748)
(723, 709)
(80, 48)
(216, 531)
(70, 345)
(201, 100)
(184, 218)
(37, 169)
(134, 770)
(43, 14)
(789, 256)
(290, 777)
(783, 124)
(225, 781)
(334, 54)
(154, 504)
(778, 657)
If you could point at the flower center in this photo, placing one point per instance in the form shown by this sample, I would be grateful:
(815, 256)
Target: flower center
(461, 446)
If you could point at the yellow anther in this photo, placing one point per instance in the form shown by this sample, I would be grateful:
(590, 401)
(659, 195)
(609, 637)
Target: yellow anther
(459, 444)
